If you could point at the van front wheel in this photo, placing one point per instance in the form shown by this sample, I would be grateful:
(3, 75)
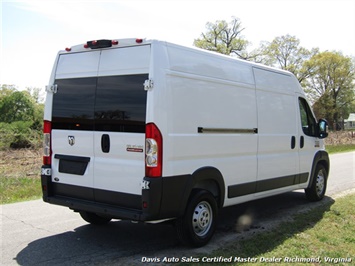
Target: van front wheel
(318, 187)
(198, 224)
(93, 218)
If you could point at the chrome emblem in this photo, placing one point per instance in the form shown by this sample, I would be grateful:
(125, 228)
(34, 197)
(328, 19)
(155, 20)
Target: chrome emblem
(71, 140)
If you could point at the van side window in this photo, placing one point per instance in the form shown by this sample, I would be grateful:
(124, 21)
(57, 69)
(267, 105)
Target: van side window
(308, 121)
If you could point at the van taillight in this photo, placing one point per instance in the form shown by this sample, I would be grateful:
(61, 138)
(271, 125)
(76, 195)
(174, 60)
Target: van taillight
(153, 151)
(47, 152)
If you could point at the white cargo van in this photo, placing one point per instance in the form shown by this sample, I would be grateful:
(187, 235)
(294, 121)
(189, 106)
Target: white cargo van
(146, 130)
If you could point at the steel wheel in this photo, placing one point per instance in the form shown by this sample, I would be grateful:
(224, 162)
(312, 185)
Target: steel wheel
(316, 189)
(320, 183)
(196, 227)
(202, 218)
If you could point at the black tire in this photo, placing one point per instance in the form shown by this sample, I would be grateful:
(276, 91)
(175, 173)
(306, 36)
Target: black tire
(318, 187)
(198, 224)
(93, 218)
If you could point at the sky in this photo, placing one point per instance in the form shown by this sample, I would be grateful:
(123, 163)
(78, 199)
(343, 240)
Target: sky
(32, 32)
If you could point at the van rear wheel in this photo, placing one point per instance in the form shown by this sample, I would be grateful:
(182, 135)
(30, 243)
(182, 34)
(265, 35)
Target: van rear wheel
(318, 187)
(93, 218)
(198, 224)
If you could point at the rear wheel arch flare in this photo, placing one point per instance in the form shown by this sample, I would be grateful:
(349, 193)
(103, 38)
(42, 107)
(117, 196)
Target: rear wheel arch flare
(210, 179)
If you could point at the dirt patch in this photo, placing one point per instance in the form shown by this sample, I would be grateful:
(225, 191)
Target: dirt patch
(21, 162)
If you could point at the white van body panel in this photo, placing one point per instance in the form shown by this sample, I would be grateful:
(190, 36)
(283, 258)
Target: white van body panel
(127, 60)
(112, 170)
(78, 65)
(277, 119)
(83, 145)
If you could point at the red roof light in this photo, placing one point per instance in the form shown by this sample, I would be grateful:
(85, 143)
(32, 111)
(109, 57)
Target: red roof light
(139, 40)
(114, 42)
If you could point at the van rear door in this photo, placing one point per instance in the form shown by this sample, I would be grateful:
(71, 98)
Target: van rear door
(73, 123)
(120, 113)
(98, 123)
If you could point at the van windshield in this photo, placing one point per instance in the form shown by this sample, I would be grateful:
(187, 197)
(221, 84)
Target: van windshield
(109, 103)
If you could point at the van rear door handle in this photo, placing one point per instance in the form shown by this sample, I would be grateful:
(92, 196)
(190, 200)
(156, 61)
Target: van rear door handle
(105, 143)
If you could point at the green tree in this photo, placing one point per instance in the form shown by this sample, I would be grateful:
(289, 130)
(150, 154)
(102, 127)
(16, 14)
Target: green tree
(286, 53)
(225, 38)
(331, 86)
(21, 117)
(17, 106)
(6, 90)
(37, 97)
(36, 94)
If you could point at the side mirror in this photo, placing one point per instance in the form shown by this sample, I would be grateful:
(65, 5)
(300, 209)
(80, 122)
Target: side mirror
(322, 128)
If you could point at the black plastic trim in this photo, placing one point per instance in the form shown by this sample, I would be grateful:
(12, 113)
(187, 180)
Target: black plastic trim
(265, 185)
(130, 201)
(75, 165)
(72, 158)
(210, 179)
(95, 207)
(166, 197)
(99, 44)
(227, 130)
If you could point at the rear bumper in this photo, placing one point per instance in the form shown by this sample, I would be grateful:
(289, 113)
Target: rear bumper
(161, 198)
(95, 207)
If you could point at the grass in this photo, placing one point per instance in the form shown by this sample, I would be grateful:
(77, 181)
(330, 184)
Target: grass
(320, 233)
(323, 233)
(19, 189)
(20, 175)
(331, 149)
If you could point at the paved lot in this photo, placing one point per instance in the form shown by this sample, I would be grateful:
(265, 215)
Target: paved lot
(36, 233)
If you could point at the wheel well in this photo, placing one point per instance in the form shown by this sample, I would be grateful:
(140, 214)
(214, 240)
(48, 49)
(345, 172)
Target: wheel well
(209, 185)
(326, 165)
(322, 158)
(210, 179)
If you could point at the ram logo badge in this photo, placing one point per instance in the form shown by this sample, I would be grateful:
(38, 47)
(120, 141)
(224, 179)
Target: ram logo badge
(71, 140)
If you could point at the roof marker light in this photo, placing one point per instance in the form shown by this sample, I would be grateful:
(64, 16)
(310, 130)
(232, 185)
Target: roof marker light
(114, 42)
(139, 40)
(86, 45)
(68, 49)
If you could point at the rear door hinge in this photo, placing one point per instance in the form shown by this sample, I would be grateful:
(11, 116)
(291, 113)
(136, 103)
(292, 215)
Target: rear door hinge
(52, 88)
(148, 84)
